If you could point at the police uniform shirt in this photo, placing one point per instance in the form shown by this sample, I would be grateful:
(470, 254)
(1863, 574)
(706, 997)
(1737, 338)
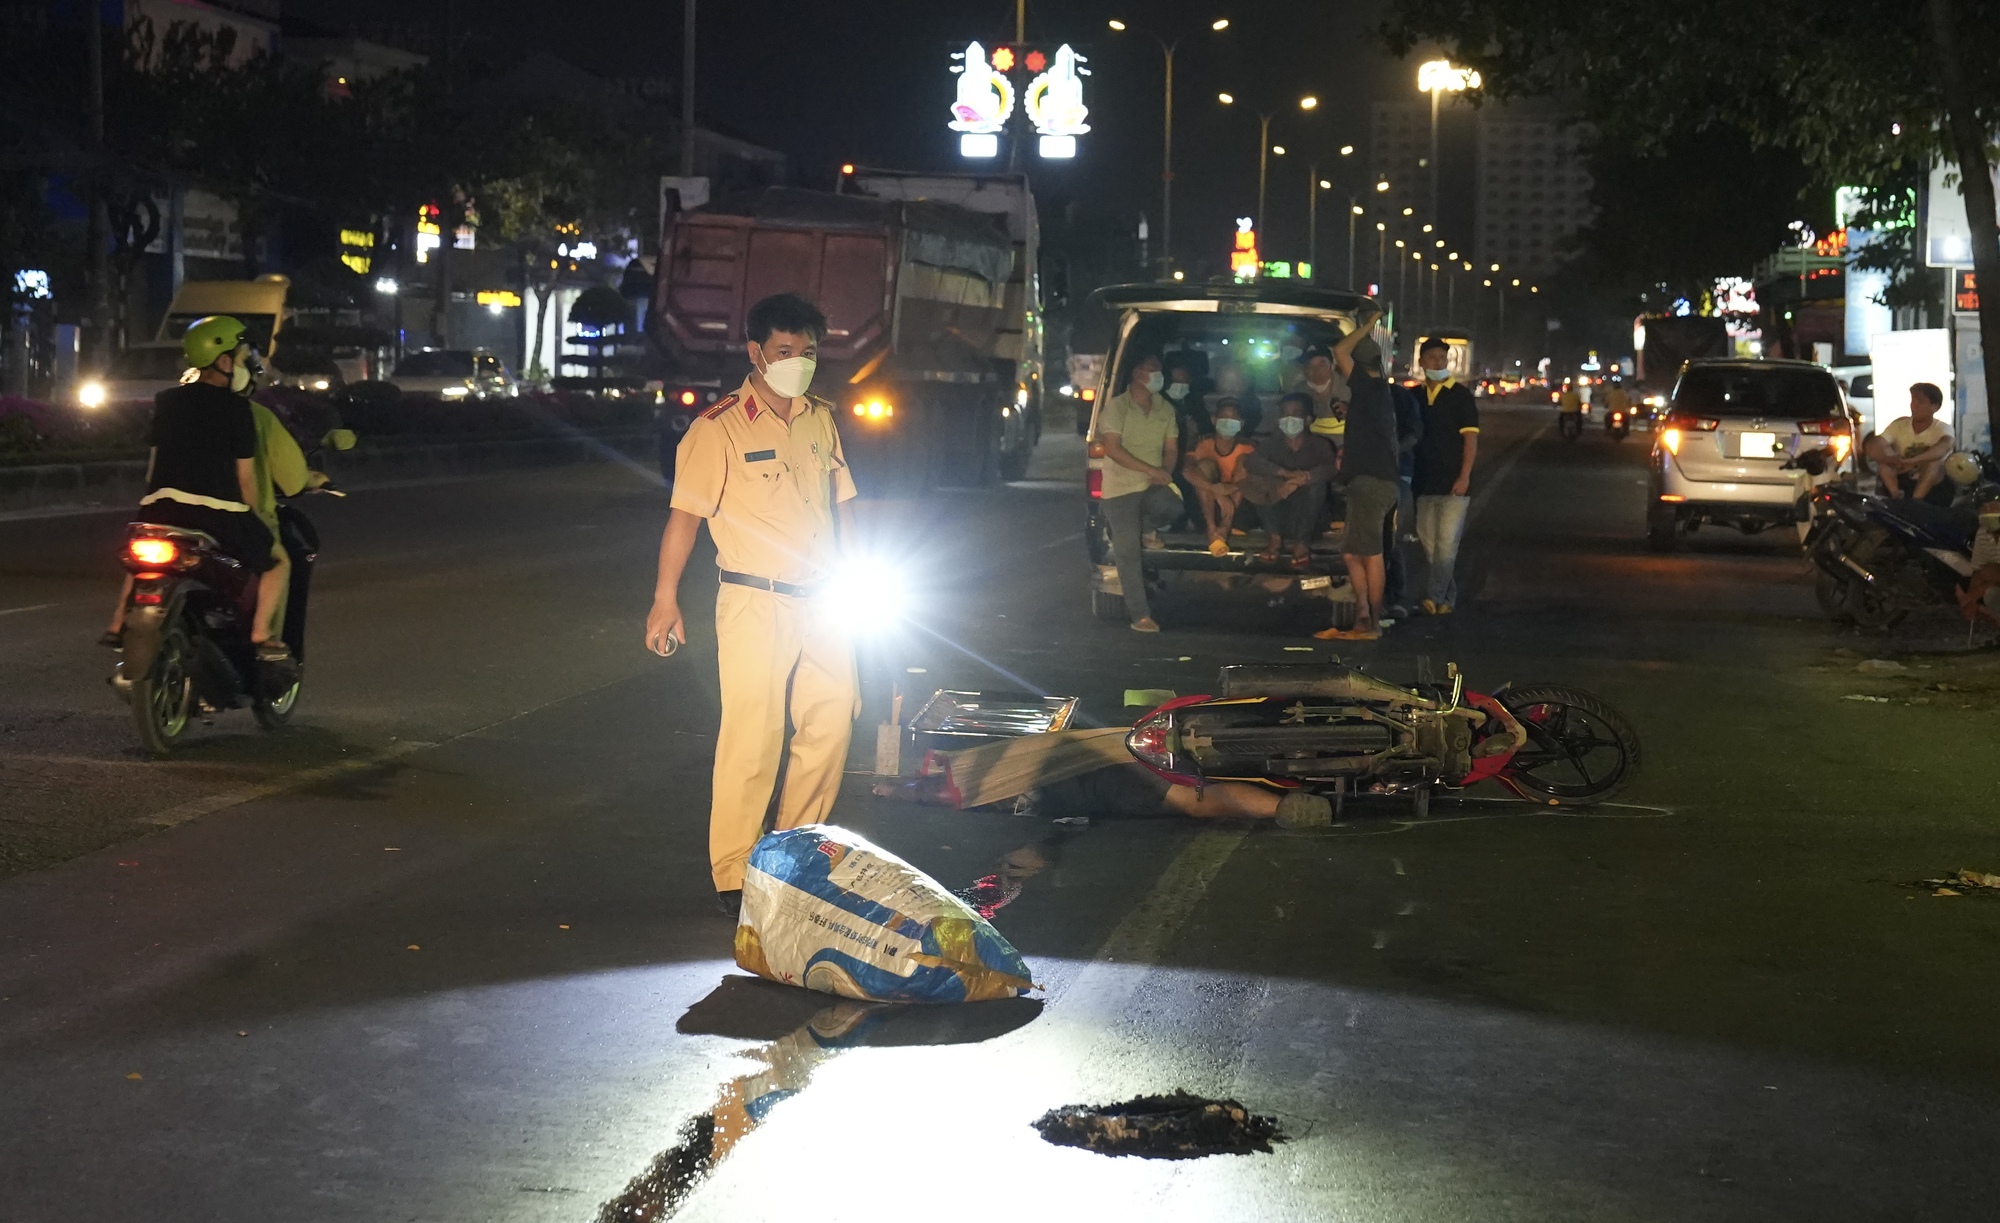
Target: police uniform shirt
(767, 486)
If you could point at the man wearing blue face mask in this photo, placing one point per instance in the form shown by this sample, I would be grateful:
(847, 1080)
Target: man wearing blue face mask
(1287, 481)
(1141, 439)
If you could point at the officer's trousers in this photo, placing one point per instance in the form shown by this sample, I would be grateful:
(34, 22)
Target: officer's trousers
(778, 654)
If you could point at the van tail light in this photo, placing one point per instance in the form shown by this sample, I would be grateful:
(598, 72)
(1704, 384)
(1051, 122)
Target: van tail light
(1824, 428)
(1694, 424)
(1670, 437)
(1094, 481)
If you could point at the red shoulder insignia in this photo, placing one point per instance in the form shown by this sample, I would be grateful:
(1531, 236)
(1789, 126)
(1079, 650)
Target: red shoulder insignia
(719, 407)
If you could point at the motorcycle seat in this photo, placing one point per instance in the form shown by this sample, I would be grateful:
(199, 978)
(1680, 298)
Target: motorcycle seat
(1946, 525)
(186, 535)
(1318, 680)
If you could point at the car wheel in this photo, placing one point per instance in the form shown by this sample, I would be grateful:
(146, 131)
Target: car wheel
(1663, 529)
(1108, 607)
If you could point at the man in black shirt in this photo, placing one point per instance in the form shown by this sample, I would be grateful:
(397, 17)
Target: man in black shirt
(1443, 481)
(1369, 466)
(201, 474)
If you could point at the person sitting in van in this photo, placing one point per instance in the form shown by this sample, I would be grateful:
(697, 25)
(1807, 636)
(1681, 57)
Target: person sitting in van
(1214, 469)
(1287, 483)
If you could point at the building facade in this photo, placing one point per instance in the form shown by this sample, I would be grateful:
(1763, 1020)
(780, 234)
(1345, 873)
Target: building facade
(1532, 189)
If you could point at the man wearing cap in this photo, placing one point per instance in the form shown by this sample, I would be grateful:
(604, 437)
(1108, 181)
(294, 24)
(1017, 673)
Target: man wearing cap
(1368, 465)
(1443, 480)
(764, 468)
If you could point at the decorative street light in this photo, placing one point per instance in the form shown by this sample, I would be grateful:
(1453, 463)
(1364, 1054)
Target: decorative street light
(1265, 147)
(1437, 78)
(1381, 255)
(1167, 147)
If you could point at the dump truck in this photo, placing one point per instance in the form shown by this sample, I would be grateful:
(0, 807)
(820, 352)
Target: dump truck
(918, 360)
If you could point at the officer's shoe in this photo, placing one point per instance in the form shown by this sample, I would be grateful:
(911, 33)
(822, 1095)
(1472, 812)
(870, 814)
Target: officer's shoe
(730, 904)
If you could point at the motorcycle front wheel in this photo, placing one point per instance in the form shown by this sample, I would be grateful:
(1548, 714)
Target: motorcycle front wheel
(276, 713)
(162, 697)
(1579, 750)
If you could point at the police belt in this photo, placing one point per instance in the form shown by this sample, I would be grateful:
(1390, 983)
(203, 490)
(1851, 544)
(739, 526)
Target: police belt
(787, 589)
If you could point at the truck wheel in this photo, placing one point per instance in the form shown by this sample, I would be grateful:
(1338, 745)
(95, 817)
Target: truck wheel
(1109, 607)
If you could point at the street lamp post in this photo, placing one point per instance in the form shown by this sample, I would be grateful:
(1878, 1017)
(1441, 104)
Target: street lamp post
(1265, 148)
(1353, 214)
(1381, 255)
(1437, 78)
(1314, 185)
(1167, 147)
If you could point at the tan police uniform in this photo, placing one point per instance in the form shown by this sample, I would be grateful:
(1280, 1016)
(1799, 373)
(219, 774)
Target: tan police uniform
(767, 488)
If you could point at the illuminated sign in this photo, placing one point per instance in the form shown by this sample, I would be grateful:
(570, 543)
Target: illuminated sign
(1054, 100)
(498, 299)
(357, 248)
(1243, 259)
(32, 283)
(1964, 291)
(986, 94)
(428, 233)
(1440, 74)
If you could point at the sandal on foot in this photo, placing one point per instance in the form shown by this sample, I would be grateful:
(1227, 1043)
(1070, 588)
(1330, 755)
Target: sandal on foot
(273, 651)
(113, 639)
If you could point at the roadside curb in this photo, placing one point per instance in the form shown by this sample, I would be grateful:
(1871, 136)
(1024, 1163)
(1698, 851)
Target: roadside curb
(118, 482)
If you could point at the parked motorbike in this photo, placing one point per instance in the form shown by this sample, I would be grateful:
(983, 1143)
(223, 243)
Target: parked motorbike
(1880, 558)
(1339, 731)
(186, 649)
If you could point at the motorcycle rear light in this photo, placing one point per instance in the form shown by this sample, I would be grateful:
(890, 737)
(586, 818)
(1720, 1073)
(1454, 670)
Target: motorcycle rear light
(687, 399)
(147, 598)
(151, 550)
(1094, 481)
(1152, 742)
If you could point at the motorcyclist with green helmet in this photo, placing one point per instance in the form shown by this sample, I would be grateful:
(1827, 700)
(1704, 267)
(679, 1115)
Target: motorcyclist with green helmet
(202, 471)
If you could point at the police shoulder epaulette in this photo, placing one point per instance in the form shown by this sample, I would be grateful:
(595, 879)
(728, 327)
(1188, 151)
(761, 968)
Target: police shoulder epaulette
(818, 402)
(719, 407)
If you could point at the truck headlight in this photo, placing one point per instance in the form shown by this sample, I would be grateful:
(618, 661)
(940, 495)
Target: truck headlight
(875, 409)
(455, 392)
(91, 394)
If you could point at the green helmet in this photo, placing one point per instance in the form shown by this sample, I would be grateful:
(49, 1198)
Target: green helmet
(208, 338)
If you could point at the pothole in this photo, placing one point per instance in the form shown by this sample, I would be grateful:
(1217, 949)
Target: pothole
(1174, 1126)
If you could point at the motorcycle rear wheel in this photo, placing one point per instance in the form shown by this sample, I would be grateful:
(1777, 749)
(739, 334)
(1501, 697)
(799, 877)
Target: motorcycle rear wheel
(1833, 595)
(1875, 609)
(1579, 751)
(162, 698)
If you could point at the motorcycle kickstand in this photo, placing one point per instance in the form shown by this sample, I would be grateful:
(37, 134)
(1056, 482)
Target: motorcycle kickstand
(1421, 801)
(1339, 797)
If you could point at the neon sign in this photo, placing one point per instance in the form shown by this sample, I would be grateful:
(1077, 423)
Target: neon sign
(1243, 263)
(985, 98)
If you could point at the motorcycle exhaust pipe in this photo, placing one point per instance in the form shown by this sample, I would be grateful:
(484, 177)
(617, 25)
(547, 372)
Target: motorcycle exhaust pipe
(1853, 567)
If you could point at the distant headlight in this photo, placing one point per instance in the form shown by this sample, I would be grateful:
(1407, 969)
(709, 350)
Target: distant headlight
(875, 410)
(320, 384)
(455, 392)
(91, 395)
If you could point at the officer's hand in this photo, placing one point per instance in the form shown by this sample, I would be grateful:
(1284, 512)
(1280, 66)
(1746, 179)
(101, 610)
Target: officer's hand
(662, 623)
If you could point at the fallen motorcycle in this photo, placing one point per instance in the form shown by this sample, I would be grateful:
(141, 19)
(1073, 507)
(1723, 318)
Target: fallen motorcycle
(1339, 732)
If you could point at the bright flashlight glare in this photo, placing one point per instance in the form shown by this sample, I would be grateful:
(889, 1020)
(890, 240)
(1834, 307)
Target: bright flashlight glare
(867, 594)
(91, 395)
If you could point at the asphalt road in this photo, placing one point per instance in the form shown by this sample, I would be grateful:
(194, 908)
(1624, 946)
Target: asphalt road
(445, 950)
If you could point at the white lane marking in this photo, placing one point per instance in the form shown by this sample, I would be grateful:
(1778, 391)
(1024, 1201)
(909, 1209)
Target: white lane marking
(32, 607)
(1152, 923)
(174, 816)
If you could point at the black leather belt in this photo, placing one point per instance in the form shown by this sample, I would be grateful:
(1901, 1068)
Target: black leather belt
(777, 588)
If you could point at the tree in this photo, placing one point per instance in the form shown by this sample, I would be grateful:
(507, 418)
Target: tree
(1863, 91)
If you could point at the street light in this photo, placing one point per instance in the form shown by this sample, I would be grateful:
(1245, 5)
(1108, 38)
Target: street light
(1381, 254)
(1438, 78)
(1347, 150)
(1167, 142)
(1265, 147)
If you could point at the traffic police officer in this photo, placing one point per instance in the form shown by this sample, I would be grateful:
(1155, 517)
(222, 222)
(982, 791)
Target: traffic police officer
(764, 467)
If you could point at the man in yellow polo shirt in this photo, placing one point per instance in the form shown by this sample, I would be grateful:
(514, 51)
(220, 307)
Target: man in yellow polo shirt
(764, 469)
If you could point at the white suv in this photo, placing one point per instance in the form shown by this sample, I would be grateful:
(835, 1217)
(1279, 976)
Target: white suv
(1723, 453)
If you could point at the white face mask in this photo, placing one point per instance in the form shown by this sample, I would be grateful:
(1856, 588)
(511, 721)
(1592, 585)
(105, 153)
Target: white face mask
(1178, 390)
(1436, 375)
(1155, 380)
(1291, 426)
(791, 376)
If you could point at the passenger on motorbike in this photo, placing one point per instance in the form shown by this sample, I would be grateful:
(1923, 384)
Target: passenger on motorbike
(202, 471)
(1912, 448)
